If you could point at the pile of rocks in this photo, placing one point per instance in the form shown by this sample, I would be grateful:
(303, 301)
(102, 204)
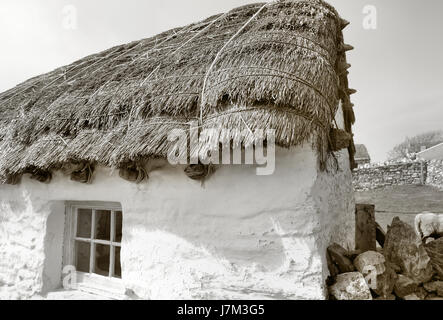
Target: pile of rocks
(405, 267)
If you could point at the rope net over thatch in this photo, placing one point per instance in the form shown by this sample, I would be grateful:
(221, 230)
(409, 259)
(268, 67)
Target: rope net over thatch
(280, 65)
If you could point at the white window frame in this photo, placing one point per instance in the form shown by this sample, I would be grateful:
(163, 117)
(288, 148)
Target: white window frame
(91, 282)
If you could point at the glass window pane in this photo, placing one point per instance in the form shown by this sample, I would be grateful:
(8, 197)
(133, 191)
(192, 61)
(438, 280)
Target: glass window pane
(102, 259)
(117, 266)
(103, 225)
(82, 253)
(84, 218)
(118, 226)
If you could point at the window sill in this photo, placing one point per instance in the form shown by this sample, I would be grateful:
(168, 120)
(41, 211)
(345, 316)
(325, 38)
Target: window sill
(63, 294)
(112, 288)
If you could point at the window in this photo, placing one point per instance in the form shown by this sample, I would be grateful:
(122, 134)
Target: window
(93, 243)
(97, 241)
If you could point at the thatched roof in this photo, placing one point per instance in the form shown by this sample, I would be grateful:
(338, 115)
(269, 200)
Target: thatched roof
(280, 66)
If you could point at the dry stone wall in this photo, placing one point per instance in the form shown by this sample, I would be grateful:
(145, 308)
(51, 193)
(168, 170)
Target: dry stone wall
(374, 177)
(435, 173)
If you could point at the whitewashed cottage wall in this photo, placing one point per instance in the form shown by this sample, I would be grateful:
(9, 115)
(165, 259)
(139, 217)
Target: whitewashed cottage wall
(238, 236)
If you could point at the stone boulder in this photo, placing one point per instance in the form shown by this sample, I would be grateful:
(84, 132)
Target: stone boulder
(421, 293)
(380, 276)
(405, 249)
(350, 286)
(435, 251)
(434, 287)
(332, 267)
(404, 286)
(429, 225)
(353, 254)
(372, 260)
(338, 255)
(433, 297)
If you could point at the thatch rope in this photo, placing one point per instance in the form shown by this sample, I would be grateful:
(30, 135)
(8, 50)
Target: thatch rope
(79, 171)
(218, 56)
(199, 172)
(134, 172)
(13, 179)
(43, 176)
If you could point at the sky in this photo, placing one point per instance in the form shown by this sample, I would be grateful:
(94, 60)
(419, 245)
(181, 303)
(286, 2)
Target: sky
(397, 67)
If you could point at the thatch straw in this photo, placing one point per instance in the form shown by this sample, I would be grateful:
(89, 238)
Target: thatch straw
(285, 70)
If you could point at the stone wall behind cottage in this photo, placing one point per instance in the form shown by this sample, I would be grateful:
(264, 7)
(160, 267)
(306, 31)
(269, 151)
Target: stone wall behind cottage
(417, 172)
(435, 173)
(374, 177)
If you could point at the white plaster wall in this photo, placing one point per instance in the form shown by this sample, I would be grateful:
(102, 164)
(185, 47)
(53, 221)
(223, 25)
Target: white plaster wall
(238, 236)
(23, 224)
(53, 246)
(434, 153)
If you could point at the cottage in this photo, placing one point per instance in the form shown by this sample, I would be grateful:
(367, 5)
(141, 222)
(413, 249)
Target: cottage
(433, 153)
(90, 201)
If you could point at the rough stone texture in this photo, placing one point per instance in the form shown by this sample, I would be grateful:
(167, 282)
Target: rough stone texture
(373, 177)
(350, 286)
(403, 248)
(380, 235)
(435, 252)
(386, 282)
(372, 265)
(395, 174)
(372, 260)
(332, 267)
(429, 225)
(394, 267)
(365, 229)
(338, 256)
(434, 287)
(352, 254)
(435, 173)
(404, 286)
(434, 297)
(411, 297)
(388, 297)
(240, 236)
(421, 293)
